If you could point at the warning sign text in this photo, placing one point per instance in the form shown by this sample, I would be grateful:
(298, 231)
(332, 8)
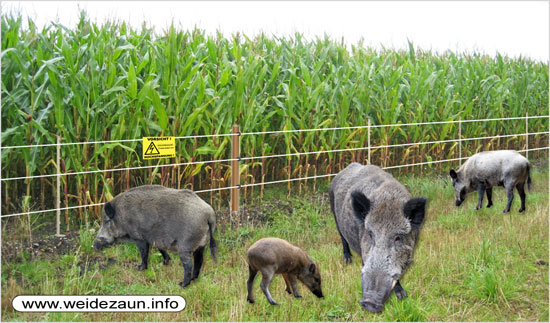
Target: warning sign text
(159, 147)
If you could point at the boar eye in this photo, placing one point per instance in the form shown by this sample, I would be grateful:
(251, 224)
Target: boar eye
(371, 234)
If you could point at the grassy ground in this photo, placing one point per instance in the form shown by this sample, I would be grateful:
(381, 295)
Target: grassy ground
(469, 266)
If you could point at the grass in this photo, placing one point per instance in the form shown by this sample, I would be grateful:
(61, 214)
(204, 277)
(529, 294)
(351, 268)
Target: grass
(468, 266)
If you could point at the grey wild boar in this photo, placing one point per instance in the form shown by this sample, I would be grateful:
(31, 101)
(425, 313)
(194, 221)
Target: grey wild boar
(165, 218)
(273, 256)
(484, 170)
(376, 216)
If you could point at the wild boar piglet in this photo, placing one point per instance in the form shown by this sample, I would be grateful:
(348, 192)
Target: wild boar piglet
(273, 256)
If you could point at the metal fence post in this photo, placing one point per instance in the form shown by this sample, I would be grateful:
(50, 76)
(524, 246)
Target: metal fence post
(368, 142)
(58, 190)
(235, 172)
(460, 138)
(527, 135)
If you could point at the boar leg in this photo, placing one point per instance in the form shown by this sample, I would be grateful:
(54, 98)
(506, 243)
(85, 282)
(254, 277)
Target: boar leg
(480, 193)
(187, 263)
(510, 195)
(250, 282)
(287, 282)
(267, 275)
(165, 256)
(198, 257)
(294, 284)
(143, 247)
(489, 192)
(521, 191)
(399, 291)
(347, 252)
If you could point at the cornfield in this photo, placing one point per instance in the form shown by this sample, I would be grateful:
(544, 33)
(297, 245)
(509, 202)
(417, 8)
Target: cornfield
(113, 82)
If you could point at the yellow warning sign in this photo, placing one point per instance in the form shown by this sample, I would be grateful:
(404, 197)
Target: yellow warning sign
(159, 147)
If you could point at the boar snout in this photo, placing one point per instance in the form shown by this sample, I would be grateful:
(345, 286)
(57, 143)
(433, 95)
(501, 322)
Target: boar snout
(372, 307)
(105, 237)
(374, 300)
(376, 291)
(318, 293)
(99, 244)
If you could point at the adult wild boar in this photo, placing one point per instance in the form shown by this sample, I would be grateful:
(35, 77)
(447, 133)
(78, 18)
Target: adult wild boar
(273, 256)
(165, 218)
(376, 216)
(484, 170)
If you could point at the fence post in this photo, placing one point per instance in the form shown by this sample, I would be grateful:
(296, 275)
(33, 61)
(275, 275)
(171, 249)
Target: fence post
(460, 138)
(527, 135)
(235, 176)
(58, 190)
(368, 142)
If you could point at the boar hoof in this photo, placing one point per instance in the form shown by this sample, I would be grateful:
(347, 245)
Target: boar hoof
(521, 210)
(505, 211)
(400, 293)
(166, 262)
(347, 259)
(250, 300)
(288, 290)
(489, 205)
(141, 267)
(297, 296)
(477, 208)
(273, 303)
(183, 284)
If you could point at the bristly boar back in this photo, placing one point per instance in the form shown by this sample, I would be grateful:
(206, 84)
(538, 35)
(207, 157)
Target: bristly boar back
(488, 169)
(164, 218)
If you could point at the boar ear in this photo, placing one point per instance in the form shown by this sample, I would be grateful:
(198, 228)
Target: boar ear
(312, 268)
(109, 210)
(453, 174)
(414, 210)
(360, 204)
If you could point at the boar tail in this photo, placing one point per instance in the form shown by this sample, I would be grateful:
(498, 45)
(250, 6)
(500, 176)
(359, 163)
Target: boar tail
(529, 177)
(213, 245)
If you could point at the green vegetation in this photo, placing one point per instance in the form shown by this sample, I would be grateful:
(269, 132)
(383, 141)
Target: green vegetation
(113, 82)
(468, 266)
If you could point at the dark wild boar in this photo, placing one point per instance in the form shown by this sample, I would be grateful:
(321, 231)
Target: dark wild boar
(484, 170)
(164, 218)
(273, 256)
(376, 216)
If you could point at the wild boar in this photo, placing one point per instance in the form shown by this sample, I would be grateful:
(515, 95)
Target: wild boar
(165, 218)
(376, 216)
(484, 170)
(277, 256)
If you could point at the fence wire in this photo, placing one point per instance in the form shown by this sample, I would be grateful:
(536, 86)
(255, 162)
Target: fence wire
(273, 156)
(391, 146)
(113, 141)
(278, 131)
(118, 169)
(390, 125)
(269, 183)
